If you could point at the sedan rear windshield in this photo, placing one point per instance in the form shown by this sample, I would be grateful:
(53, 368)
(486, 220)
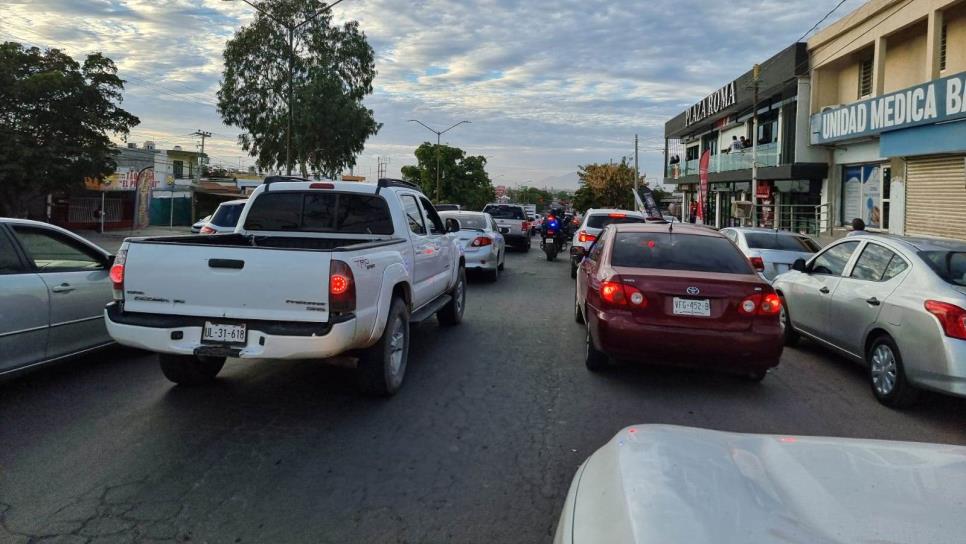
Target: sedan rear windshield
(599, 221)
(505, 212)
(227, 215)
(669, 251)
(782, 242)
(949, 265)
(344, 213)
(469, 222)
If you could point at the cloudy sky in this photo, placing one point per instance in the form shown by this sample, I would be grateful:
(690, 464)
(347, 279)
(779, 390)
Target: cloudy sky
(547, 85)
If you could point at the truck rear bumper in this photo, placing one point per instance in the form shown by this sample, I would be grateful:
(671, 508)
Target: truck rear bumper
(181, 335)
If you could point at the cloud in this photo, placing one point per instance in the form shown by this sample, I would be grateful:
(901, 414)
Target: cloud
(548, 85)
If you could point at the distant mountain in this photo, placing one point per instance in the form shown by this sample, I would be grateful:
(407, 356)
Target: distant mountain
(567, 181)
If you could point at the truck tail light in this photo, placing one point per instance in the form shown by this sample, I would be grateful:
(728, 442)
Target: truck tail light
(615, 293)
(951, 317)
(584, 237)
(758, 263)
(525, 226)
(117, 274)
(342, 288)
(481, 241)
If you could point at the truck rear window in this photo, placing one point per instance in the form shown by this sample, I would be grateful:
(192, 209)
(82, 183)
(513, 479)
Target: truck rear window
(679, 252)
(345, 213)
(505, 212)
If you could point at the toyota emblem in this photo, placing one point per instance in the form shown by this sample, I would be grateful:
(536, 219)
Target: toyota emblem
(694, 291)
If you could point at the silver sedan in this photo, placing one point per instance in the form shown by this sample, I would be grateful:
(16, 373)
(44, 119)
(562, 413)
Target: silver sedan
(771, 252)
(482, 239)
(896, 304)
(53, 288)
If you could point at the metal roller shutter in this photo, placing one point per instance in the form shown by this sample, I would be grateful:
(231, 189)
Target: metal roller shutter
(936, 196)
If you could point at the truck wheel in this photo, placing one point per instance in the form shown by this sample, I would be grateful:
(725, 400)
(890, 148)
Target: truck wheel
(526, 245)
(452, 313)
(190, 370)
(381, 368)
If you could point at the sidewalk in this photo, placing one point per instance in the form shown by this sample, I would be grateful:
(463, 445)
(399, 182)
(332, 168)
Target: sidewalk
(111, 240)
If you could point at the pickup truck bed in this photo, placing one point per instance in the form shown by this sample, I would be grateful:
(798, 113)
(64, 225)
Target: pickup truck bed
(275, 242)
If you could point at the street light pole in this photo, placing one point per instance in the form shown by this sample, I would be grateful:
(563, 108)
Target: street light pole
(439, 135)
(291, 67)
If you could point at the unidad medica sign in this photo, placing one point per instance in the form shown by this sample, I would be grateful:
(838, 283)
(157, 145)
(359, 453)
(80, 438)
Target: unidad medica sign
(929, 103)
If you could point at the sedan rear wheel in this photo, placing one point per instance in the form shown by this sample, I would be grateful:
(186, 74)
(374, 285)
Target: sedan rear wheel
(887, 376)
(578, 315)
(596, 360)
(791, 337)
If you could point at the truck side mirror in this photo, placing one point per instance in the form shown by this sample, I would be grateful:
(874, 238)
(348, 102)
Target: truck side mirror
(452, 225)
(799, 265)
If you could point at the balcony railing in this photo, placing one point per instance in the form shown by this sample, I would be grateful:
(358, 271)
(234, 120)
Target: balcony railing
(768, 155)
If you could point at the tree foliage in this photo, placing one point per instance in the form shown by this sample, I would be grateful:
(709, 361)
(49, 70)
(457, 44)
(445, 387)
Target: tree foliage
(605, 186)
(56, 116)
(333, 70)
(463, 179)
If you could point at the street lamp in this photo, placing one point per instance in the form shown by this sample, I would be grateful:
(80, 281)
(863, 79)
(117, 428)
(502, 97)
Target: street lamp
(439, 134)
(291, 27)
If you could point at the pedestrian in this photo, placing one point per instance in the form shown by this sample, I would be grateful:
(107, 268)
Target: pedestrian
(693, 212)
(736, 145)
(858, 227)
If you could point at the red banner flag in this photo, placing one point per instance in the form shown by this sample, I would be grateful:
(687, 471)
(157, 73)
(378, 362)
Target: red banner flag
(703, 165)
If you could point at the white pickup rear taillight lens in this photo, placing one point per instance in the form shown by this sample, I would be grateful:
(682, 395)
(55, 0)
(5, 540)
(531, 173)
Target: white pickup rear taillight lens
(342, 288)
(951, 317)
(117, 274)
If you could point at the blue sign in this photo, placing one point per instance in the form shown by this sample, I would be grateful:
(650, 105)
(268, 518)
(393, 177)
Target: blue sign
(928, 103)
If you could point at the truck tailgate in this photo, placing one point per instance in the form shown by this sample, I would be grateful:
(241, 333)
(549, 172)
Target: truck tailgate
(230, 282)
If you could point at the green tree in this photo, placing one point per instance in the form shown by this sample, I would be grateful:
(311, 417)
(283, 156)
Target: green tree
(56, 118)
(463, 179)
(606, 186)
(332, 72)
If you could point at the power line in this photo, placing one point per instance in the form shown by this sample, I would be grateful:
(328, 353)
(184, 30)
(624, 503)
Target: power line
(822, 20)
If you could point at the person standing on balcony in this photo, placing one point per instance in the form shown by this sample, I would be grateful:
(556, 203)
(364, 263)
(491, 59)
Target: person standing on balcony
(736, 145)
(745, 143)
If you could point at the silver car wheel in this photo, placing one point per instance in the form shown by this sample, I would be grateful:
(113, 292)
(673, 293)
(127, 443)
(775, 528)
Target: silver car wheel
(783, 319)
(460, 296)
(884, 369)
(397, 342)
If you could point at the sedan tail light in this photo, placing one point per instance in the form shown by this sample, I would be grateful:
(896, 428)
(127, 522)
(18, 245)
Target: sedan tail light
(584, 237)
(342, 288)
(615, 293)
(758, 263)
(768, 304)
(481, 241)
(950, 316)
(207, 230)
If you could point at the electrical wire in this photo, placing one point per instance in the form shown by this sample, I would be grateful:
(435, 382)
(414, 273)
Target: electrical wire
(822, 20)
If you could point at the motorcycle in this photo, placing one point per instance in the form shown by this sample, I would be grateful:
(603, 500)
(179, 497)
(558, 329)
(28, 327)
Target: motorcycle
(552, 239)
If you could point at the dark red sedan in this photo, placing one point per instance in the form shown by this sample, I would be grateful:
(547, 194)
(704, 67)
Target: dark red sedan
(676, 294)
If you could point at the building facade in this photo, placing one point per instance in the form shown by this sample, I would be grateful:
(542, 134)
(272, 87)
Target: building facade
(721, 129)
(888, 110)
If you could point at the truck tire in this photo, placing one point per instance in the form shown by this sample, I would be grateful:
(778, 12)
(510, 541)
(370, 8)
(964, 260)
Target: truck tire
(452, 313)
(382, 367)
(189, 369)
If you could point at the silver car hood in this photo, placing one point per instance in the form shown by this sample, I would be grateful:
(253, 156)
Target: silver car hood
(660, 484)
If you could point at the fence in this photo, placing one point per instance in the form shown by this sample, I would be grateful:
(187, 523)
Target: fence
(803, 218)
(83, 210)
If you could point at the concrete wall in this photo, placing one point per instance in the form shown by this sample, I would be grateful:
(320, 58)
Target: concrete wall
(955, 19)
(905, 64)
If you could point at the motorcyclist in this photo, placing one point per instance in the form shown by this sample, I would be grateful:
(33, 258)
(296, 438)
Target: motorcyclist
(553, 221)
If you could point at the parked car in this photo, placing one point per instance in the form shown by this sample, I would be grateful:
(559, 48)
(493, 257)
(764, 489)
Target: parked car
(484, 247)
(448, 207)
(314, 270)
(225, 217)
(199, 224)
(896, 304)
(595, 220)
(685, 296)
(670, 484)
(53, 288)
(771, 251)
(514, 218)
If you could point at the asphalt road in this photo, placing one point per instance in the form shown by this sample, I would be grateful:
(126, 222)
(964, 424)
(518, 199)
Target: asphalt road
(479, 446)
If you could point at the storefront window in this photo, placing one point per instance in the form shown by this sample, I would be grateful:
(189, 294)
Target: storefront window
(862, 195)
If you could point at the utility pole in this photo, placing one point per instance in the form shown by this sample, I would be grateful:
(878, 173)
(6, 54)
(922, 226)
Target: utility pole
(201, 161)
(756, 76)
(637, 174)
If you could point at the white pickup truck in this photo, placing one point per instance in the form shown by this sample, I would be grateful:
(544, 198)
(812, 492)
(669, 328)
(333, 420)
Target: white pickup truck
(313, 270)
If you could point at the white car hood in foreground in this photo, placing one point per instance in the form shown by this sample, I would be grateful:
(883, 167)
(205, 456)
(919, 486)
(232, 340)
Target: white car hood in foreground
(663, 484)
